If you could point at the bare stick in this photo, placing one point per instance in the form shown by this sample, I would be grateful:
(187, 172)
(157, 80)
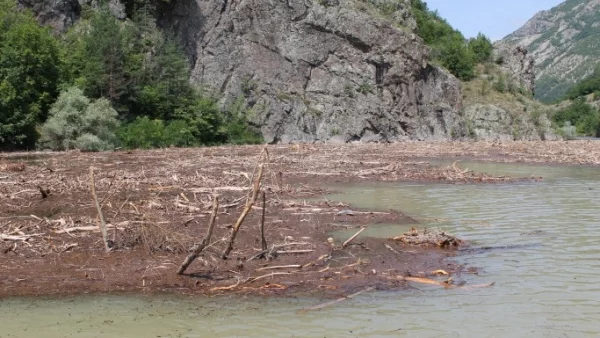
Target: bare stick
(294, 266)
(273, 274)
(102, 223)
(339, 300)
(198, 248)
(249, 203)
(262, 222)
(352, 238)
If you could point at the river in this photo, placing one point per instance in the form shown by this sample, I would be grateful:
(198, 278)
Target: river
(546, 288)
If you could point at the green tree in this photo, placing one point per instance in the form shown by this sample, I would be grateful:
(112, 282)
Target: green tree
(481, 47)
(104, 58)
(29, 72)
(454, 54)
(583, 116)
(449, 47)
(77, 123)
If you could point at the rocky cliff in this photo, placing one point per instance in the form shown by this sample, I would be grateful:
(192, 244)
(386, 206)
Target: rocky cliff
(518, 64)
(325, 70)
(319, 71)
(564, 43)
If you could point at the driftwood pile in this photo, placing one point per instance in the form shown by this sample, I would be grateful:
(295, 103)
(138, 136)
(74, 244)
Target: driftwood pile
(426, 237)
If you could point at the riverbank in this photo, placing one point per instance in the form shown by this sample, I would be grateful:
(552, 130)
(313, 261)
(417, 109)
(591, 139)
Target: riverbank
(157, 204)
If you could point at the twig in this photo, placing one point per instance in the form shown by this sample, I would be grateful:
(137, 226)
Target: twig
(254, 279)
(339, 300)
(294, 252)
(102, 223)
(198, 249)
(262, 222)
(227, 288)
(84, 228)
(293, 266)
(352, 238)
(4, 237)
(249, 203)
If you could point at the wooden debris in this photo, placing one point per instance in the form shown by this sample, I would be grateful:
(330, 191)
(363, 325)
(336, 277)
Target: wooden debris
(198, 248)
(263, 241)
(345, 244)
(5, 237)
(249, 203)
(429, 237)
(99, 209)
(293, 266)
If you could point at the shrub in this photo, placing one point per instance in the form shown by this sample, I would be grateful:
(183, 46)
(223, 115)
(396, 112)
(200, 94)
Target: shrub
(143, 133)
(500, 84)
(481, 47)
(583, 116)
(77, 123)
(146, 133)
(179, 134)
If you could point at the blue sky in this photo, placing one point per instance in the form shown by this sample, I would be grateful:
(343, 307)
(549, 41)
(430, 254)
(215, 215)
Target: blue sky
(494, 18)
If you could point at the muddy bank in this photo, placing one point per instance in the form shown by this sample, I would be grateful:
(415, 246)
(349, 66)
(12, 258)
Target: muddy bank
(157, 204)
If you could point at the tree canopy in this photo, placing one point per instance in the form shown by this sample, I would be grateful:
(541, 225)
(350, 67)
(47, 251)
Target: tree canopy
(129, 67)
(29, 74)
(449, 46)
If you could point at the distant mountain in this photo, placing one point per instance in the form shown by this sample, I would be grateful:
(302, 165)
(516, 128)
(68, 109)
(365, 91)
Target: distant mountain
(565, 44)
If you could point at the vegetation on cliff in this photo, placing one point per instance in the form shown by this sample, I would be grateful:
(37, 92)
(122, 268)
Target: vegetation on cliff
(449, 46)
(130, 66)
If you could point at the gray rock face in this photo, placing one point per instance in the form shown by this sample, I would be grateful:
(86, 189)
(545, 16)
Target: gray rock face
(62, 14)
(318, 73)
(487, 122)
(517, 64)
(58, 14)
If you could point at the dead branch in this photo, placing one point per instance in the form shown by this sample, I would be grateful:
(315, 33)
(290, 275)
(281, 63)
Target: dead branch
(293, 266)
(352, 238)
(249, 203)
(83, 228)
(227, 288)
(4, 237)
(198, 249)
(262, 222)
(294, 252)
(100, 216)
(254, 279)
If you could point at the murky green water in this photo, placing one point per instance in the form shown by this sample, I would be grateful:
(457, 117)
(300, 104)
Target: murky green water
(547, 290)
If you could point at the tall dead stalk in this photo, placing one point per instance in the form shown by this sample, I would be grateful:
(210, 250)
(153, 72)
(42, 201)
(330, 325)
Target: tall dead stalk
(262, 222)
(99, 209)
(250, 200)
(249, 203)
(200, 247)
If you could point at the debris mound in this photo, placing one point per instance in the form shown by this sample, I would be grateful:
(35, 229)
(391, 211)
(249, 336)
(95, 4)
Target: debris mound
(429, 237)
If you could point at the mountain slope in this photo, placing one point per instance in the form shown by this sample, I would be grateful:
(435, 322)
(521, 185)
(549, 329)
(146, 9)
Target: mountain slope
(565, 43)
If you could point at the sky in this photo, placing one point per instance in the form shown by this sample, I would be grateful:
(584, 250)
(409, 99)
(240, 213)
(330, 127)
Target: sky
(494, 18)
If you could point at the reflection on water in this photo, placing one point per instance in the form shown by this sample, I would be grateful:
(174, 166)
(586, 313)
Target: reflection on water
(546, 290)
